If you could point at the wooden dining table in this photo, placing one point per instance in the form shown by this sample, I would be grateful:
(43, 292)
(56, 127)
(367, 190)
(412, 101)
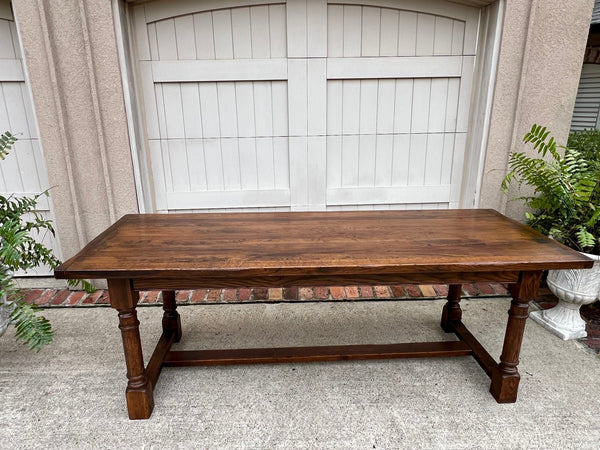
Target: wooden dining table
(167, 252)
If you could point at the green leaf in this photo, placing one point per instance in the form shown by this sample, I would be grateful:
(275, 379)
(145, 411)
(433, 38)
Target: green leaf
(35, 331)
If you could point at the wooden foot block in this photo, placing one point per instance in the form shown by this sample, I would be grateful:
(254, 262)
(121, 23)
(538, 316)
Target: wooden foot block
(140, 403)
(504, 387)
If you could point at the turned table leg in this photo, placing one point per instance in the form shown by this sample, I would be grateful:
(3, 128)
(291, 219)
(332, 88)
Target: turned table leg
(505, 378)
(171, 321)
(451, 309)
(140, 399)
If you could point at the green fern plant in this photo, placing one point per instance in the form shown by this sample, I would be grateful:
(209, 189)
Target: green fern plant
(566, 200)
(19, 250)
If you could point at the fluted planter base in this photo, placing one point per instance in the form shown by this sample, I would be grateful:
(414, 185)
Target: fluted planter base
(574, 288)
(563, 320)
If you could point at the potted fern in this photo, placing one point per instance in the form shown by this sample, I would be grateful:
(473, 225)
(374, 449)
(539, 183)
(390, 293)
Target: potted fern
(19, 250)
(564, 205)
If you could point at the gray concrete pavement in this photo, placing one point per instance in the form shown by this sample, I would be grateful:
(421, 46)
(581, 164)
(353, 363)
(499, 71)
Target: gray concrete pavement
(70, 395)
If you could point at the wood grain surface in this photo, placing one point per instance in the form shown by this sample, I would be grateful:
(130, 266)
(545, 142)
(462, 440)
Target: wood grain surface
(239, 245)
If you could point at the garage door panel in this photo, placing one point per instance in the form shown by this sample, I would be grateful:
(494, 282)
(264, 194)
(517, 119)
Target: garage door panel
(395, 67)
(178, 160)
(367, 105)
(416, 151)
(302, 100)
(464, 98)
(386, 99)
(203, 36)
(384, 158)
(420, 105)
(452, 104)
(192, 116)
(185, 38)
(350, 160)
(260, 39)
(173, 110)
(367, 149)
(433, 159)
(196, 164)
(15, 119)
(400, 159)
(367, 31)
(407, 33)
(458, 157)
(160, 10)
(403, 105)
(281, 163)
(257, 32)
(438, 105)
(371, 31)
(334, 161)
(231, 154)
(7, 49)
(223, 34)
(435, 7)
(392, 106)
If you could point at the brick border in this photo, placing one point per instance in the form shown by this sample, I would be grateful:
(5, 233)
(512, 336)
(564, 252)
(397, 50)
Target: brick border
(64, 298)
(49, 298)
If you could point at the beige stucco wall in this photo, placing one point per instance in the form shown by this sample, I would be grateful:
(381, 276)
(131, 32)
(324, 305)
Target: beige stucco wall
(72, 60)
(541, 55)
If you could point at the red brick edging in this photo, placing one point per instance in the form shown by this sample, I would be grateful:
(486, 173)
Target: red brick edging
(48, 298)
(68, 298)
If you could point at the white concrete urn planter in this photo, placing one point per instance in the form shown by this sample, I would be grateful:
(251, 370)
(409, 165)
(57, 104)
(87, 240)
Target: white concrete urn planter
(574, 288)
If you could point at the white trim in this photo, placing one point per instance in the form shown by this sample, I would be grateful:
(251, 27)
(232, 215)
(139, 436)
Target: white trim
(219, 70)
(228, 199)
(166, 9)
(128, 99)
(499, 15)
(11, 70)
(140, 27)
(388, 195)
(481, 104)
(394, 67)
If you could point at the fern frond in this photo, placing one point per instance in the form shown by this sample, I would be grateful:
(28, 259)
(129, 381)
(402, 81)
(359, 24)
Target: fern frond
(35, 331)
(7, 140)
(538, 135)
(585, 239)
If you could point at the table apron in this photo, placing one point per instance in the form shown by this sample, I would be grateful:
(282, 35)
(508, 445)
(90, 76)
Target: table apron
(189, 281)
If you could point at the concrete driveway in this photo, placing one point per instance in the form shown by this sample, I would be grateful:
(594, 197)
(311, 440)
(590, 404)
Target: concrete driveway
(71, 394)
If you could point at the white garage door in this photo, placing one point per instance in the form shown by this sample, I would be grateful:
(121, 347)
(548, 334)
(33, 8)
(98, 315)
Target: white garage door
(23, 172)
(305, 105)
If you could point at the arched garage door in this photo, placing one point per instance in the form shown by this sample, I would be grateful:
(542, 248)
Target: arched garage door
(305, 105)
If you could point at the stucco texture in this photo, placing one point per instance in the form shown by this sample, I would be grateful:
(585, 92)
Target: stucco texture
(540, 60)
(71, 59)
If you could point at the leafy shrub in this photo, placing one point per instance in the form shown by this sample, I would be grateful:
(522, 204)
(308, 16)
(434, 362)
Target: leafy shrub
(565, 204)
(19, 218)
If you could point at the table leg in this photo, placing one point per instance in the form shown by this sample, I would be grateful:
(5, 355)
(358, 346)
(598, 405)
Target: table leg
(139, 395)
(171, 321)
(452, 309)
(505, 378)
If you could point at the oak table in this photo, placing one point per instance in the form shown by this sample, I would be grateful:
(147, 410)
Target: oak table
(188, 251)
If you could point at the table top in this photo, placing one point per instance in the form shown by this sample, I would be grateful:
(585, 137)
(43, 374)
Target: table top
(312, 243)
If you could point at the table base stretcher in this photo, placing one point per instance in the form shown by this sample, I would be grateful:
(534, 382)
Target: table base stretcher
(142, 380)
